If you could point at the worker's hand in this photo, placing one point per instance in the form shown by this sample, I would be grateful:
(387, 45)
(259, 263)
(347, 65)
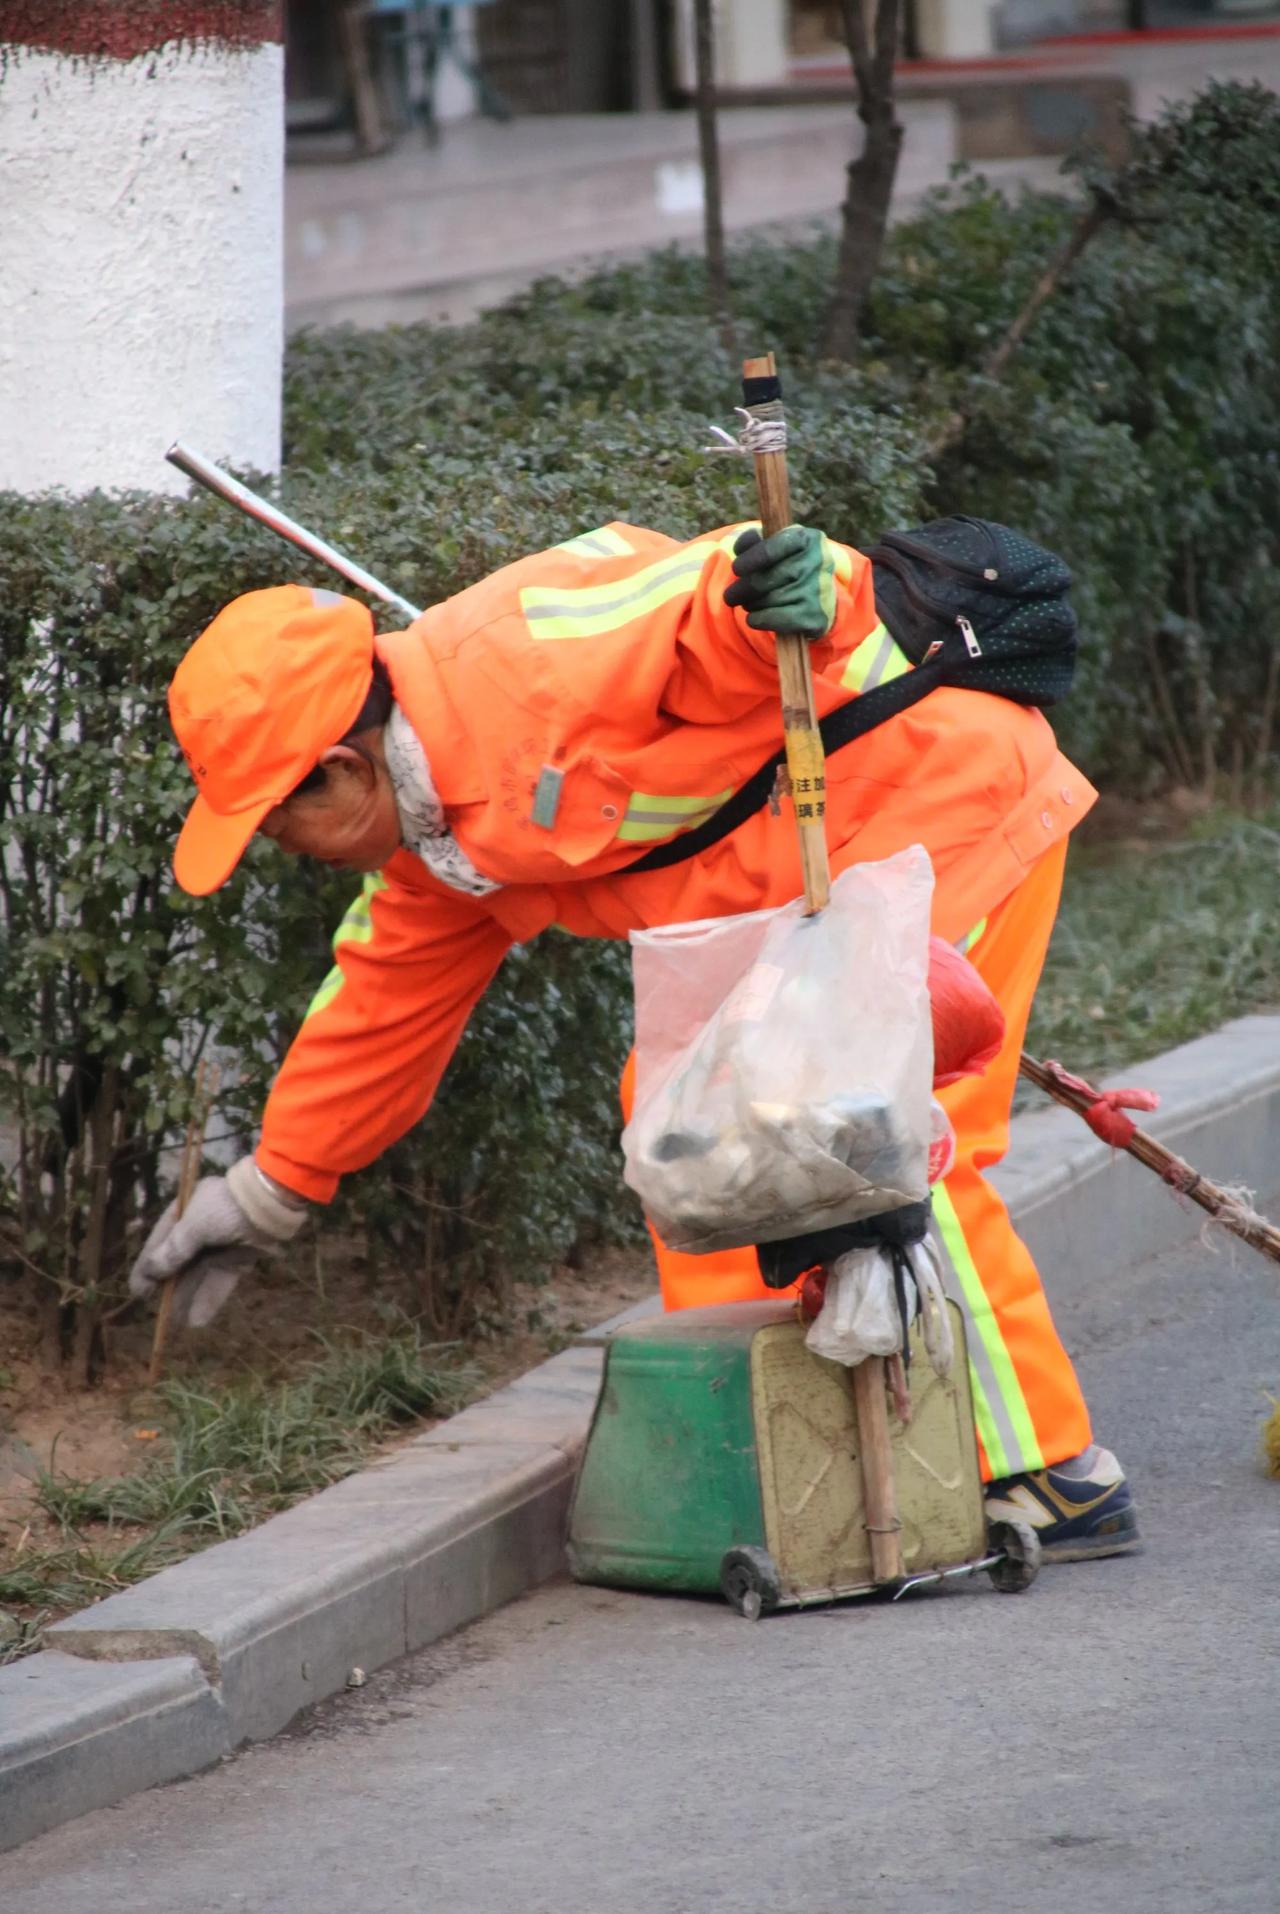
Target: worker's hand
(787, 583)
(227, 1222)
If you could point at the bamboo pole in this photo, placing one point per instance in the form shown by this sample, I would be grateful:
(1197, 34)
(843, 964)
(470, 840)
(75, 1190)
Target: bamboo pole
(875, 1456)
(806, 770)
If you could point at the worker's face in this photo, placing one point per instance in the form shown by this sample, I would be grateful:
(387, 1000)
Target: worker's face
(350, 822)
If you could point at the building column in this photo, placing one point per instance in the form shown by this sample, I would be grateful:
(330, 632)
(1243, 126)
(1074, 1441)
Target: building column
(751, 44)
(141, 234)
(955, 29)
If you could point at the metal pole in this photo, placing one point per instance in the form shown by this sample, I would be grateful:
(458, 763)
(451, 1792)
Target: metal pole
(214, 479)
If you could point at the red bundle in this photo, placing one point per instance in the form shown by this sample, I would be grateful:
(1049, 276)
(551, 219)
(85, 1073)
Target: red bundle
(968, 1023)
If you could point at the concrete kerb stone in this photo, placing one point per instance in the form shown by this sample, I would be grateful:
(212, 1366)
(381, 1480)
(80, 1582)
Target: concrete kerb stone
(76, 1735)
(164, 1678)
(431, 1536)
(226, 1647)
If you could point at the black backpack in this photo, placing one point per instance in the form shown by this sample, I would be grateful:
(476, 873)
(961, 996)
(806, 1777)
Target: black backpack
(973, 605)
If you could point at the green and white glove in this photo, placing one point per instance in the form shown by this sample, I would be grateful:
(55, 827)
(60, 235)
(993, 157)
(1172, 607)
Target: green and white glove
(787, 583)
(206, 1250)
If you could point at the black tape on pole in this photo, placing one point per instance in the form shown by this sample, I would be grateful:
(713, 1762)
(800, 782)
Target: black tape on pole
(761, 391)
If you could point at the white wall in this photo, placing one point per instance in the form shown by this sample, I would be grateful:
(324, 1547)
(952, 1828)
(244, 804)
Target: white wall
(140, 263)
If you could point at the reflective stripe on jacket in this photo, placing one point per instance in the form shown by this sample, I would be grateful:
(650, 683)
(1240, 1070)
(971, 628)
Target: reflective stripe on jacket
(580, 705)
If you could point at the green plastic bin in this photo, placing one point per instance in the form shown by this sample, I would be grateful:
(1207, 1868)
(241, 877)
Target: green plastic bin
(723, 1456)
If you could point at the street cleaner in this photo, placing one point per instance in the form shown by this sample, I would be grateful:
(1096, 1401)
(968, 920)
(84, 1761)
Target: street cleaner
(580, 739)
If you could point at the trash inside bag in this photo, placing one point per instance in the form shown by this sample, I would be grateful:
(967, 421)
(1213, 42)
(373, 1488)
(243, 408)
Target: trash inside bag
(784, 1063)
(942, 1143)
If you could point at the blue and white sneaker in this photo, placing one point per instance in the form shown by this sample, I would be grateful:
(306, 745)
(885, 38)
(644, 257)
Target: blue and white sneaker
(1079, 1508)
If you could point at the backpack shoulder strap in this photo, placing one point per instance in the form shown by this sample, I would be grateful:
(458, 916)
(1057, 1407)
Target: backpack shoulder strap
(838, 728)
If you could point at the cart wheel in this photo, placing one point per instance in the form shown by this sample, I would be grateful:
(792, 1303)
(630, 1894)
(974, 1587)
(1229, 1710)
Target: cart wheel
(1020, 1563)
(750, 1581)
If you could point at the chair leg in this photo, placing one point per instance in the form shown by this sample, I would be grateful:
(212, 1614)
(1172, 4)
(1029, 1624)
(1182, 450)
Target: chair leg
(371, 131)
(491, 102)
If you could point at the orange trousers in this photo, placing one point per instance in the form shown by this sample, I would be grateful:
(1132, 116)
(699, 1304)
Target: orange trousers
(1028, 1406)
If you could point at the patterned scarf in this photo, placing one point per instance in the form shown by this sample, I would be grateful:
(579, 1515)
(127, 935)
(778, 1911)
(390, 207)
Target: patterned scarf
(422, 825)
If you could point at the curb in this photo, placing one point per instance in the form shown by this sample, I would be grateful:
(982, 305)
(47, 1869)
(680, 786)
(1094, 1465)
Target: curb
(164, 1679)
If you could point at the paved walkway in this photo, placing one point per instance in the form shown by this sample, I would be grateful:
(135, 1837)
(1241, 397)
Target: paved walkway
(1106, 1742)
(423, 232)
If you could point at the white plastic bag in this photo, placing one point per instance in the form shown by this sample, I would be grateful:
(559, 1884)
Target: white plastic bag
(859, 1315)
(784, 1063)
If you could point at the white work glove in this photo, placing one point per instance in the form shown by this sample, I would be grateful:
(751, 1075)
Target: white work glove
(207, 1249)
(935, 1317)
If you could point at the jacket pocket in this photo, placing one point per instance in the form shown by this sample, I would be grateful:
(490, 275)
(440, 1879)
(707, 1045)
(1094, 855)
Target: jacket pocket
(566, 813)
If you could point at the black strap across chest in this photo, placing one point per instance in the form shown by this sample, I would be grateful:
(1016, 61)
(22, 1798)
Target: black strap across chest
(838, 728)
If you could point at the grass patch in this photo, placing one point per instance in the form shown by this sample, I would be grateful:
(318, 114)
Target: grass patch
(1157, 945)
(228, 1458)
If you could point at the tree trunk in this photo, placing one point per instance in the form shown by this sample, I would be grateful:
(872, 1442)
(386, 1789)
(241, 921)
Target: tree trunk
(712, 197)
(1083, 233)
(865, 214)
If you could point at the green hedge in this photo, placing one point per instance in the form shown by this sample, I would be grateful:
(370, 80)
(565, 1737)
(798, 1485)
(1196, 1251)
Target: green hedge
(1136, 431)
(113, 982)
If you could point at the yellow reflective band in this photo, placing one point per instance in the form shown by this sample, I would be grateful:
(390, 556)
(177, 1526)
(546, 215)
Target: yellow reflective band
(557, 611)
(326, 993)
(356, 928)
(730, 539)
(862, 657)
(650, 817)
(985, 1423)
(602, 543)
(1013, 1404)
(876, 661)
(966, 944)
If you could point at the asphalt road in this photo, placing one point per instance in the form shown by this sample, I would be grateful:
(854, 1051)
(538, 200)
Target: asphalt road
(1108, 1741)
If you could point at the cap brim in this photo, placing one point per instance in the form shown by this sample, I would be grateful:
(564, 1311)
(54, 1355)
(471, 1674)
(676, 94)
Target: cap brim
(210, 845)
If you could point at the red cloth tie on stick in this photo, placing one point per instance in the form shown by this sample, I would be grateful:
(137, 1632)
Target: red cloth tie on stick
(1105, 1113)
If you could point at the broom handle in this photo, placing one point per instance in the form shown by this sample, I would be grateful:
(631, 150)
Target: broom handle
(223, 486)
(807, 772)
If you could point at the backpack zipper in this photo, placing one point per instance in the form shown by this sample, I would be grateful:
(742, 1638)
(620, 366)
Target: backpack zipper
(970, 637)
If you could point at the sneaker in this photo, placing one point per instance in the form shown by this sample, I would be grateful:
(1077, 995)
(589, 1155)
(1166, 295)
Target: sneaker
(1078, 1508)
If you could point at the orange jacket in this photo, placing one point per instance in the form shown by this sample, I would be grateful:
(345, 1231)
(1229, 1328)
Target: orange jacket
(576, 708)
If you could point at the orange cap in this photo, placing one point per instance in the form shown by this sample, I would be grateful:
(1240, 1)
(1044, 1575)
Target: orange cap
(277, 678)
